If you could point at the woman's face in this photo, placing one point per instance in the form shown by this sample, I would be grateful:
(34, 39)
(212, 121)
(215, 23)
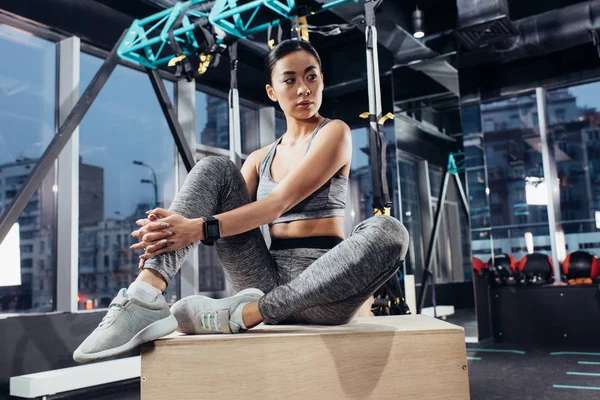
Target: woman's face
(297, 85)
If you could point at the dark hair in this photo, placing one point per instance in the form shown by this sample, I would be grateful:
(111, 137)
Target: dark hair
(283, 49)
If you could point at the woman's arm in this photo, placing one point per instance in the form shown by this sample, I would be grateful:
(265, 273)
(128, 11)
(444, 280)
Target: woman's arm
(330, 151)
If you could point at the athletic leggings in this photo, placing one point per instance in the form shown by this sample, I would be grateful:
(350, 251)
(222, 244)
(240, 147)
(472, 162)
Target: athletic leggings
(323, 282)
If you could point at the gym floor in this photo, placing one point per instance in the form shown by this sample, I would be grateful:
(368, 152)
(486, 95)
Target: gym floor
(528, 372)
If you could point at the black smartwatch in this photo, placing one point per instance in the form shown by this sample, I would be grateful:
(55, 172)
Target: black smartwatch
(211, 231)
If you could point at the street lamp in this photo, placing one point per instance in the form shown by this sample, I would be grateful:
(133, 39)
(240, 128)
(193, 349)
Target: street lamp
(154, 182)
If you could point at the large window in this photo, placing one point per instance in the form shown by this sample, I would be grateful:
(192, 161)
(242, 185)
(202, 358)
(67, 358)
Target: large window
(212, 120)
(505, 173)
(574, 122)
(249, 129)
(360, 188)
(27, 125)
(451, 260)
(411, 215)
(127, 166)
(361, 182)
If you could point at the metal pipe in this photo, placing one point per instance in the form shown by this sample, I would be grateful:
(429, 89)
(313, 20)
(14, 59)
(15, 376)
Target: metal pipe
(552, 187)
(235, 11)
(157, 39)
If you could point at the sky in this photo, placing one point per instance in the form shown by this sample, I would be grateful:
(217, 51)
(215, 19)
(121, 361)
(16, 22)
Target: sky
(588, 95)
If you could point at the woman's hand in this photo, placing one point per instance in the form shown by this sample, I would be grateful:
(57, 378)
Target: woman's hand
(170, 233)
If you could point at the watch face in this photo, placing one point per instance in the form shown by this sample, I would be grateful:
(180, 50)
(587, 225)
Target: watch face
(213, 230)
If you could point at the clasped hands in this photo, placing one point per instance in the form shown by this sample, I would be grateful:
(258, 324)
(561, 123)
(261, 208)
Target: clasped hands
(169, 233)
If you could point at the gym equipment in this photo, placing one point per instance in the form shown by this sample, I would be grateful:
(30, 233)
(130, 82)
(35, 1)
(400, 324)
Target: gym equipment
(389, 299)
(535, 269)
(453, 168)
(377, 143)
(480, 268)
(502, 269)
(581, 267)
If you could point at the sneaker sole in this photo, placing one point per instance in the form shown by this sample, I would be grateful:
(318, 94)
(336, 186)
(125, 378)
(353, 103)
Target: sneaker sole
(152, 332)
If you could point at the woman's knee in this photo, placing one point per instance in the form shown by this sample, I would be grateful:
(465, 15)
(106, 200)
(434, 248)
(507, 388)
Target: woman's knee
(388, 231)
(215, 164)
(217, 169)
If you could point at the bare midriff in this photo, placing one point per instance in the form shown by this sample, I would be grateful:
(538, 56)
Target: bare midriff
(308, 228)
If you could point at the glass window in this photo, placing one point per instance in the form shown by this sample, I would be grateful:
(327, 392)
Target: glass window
(249, 129)
(360, 204)
(27, 125)
(515, 122)
(411, 215)
(576, 131)
(506, 189)
(212, 120)
(451, 261)
(488, 124)
(127, 166)
(360, 186)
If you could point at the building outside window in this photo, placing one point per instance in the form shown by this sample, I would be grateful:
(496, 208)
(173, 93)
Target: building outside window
(27, 126)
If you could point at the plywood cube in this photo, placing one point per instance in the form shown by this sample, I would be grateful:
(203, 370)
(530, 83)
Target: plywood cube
(394, 357)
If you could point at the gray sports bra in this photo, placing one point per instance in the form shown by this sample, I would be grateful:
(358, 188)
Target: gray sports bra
(326, 202)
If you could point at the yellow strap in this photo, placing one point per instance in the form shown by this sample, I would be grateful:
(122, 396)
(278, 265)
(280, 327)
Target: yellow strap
(173, 61)
(303, 30)
(204, 63)
(377, 212)
(382, 120)
(271, 43)
(386, 117)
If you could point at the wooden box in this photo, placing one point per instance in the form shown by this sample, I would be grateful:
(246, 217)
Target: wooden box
(395, 357)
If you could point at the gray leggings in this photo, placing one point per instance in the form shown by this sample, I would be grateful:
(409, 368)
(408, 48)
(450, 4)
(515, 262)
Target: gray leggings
(305, 285)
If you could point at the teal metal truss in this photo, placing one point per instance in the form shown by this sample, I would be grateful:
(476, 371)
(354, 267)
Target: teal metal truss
(148, 42)
(227, 14)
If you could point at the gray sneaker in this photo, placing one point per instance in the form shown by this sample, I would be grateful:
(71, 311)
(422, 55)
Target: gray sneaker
(201, 314)
(128, 323)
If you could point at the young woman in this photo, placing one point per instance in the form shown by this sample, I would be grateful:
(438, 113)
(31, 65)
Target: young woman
(310, 274)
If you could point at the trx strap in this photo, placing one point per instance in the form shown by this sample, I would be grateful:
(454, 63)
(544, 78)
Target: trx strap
(233, 65)
(304, 29)
(184, 67)
(377, 152)
(377, 143)
(181, 61)
(270, 41)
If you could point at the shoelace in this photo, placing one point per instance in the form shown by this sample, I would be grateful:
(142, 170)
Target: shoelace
(113, 311)
(216, 325)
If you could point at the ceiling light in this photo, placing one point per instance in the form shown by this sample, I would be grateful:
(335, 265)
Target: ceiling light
(418, 19)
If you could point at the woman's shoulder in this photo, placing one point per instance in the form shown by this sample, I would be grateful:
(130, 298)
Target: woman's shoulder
(338, 128)
(337, 125)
